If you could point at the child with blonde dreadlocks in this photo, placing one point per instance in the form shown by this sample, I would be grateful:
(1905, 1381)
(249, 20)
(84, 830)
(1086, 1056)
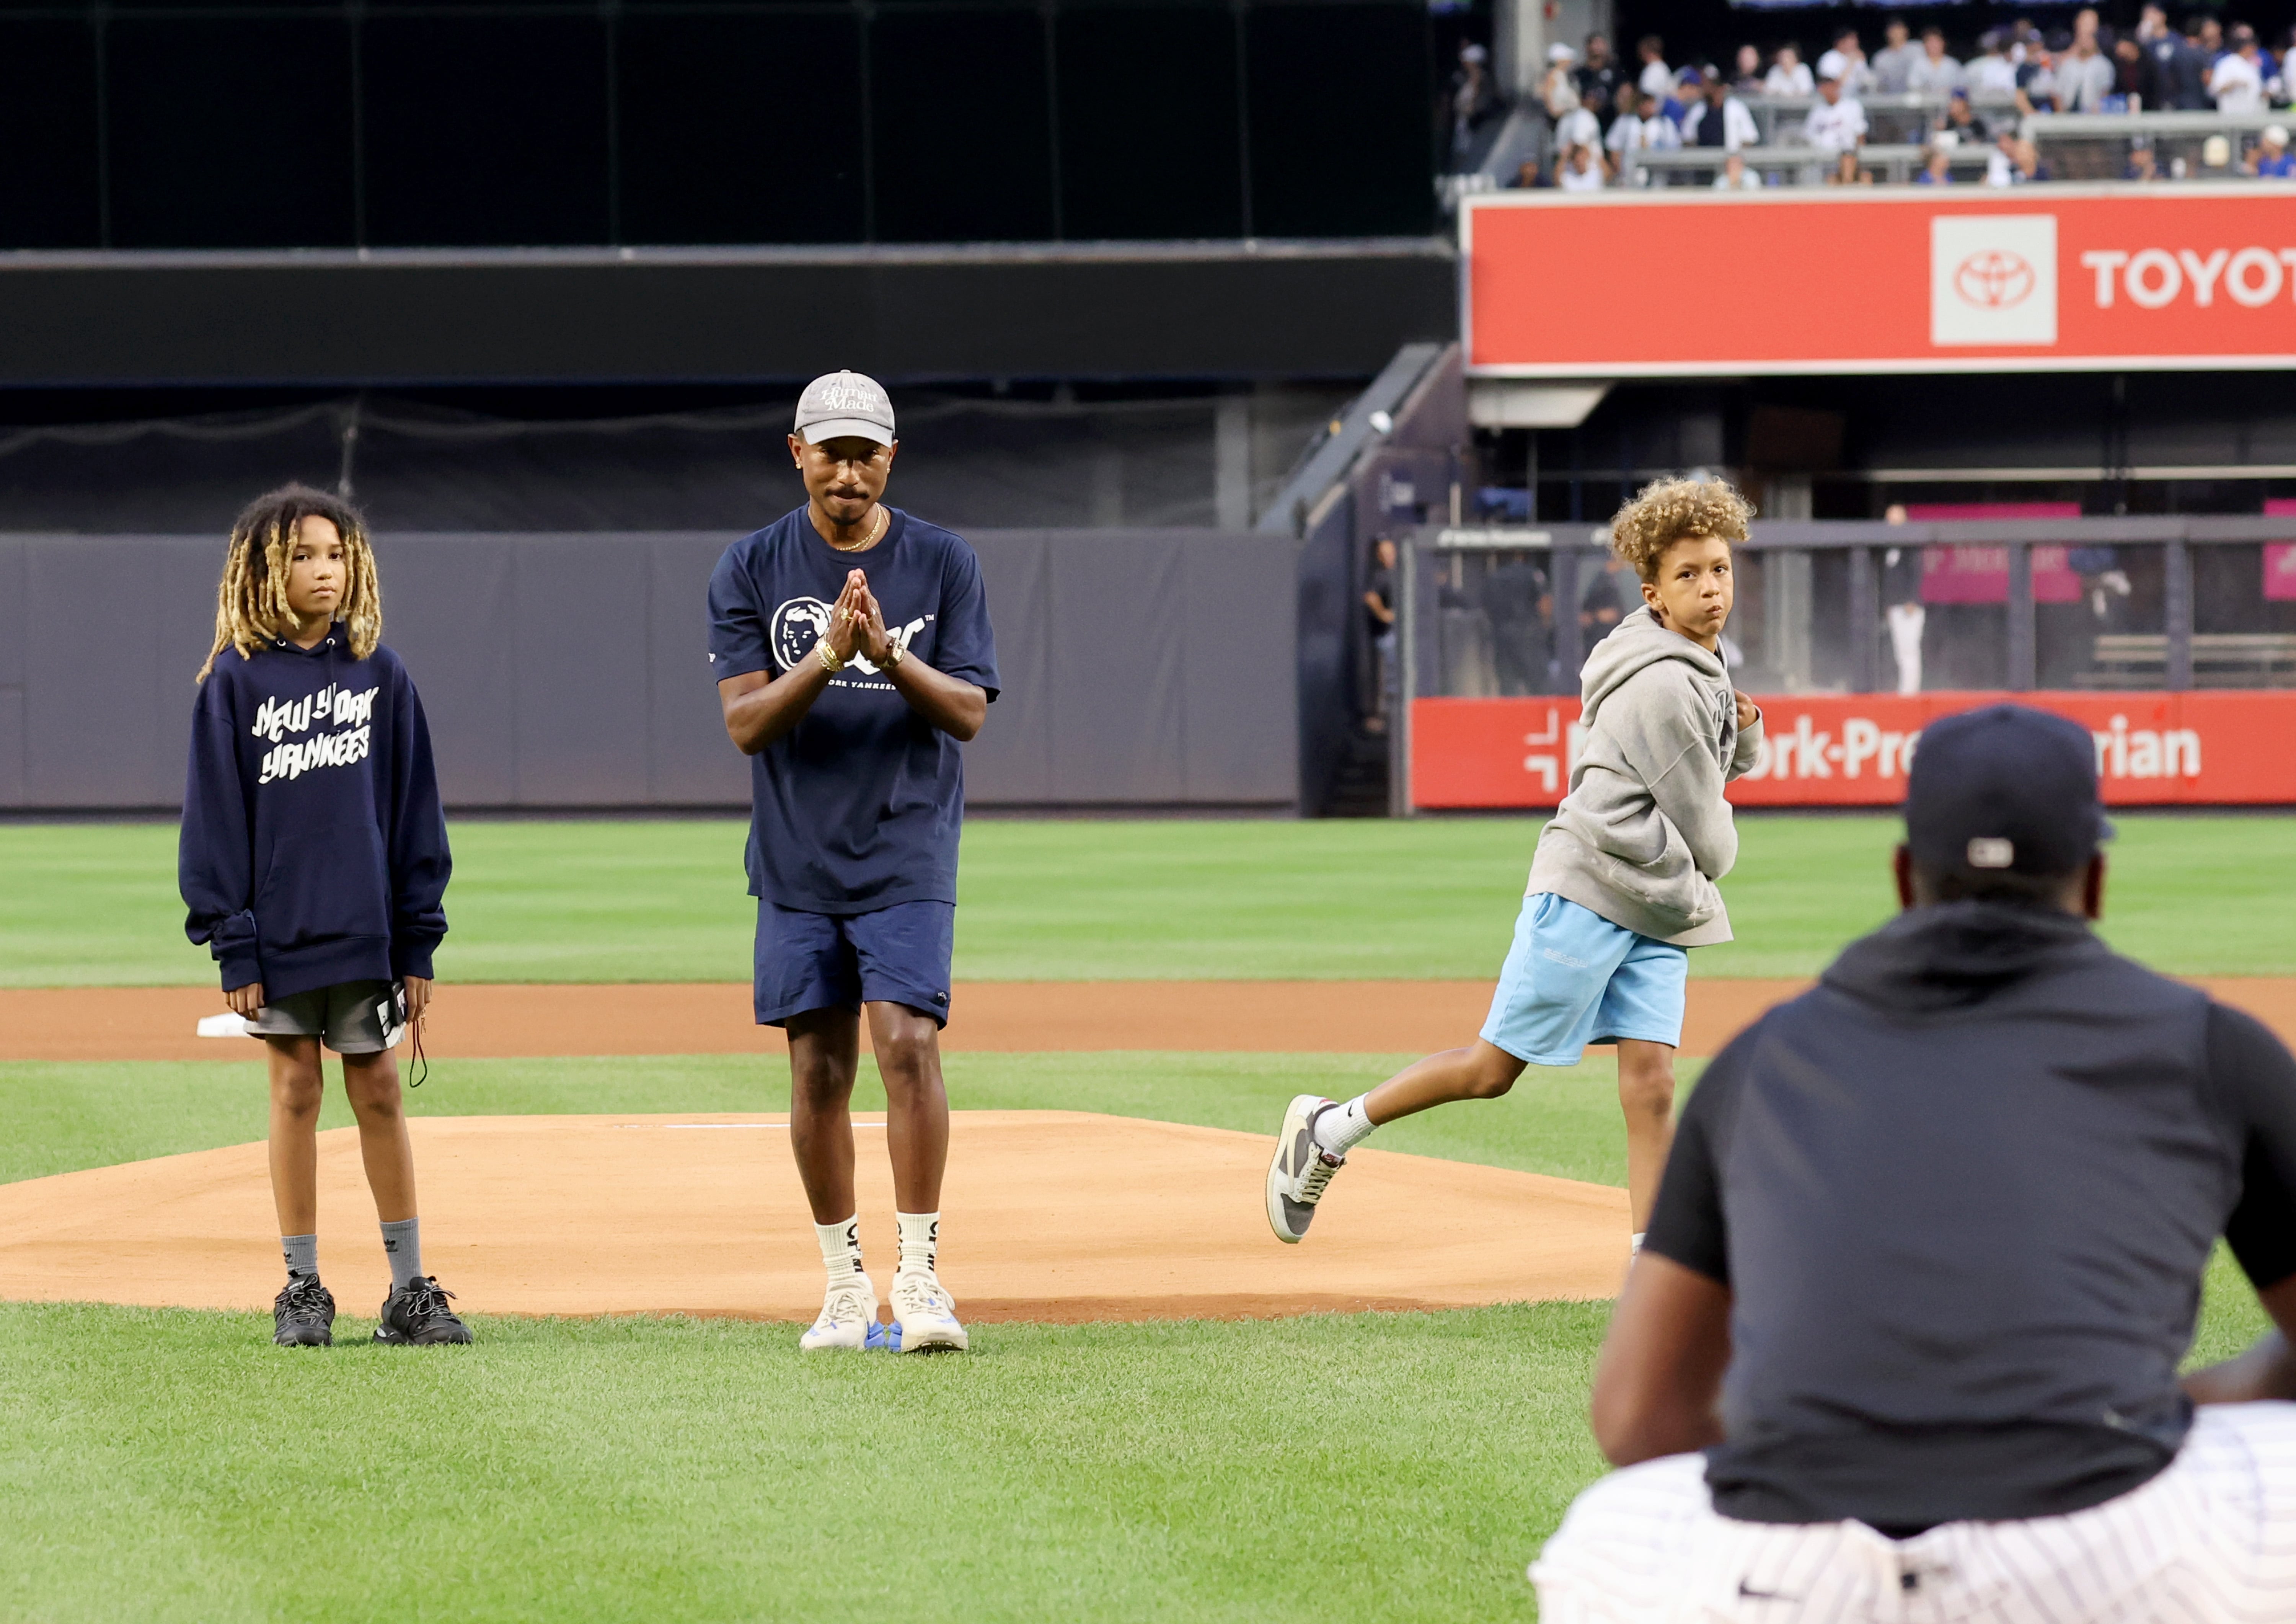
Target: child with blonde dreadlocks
(313, 862)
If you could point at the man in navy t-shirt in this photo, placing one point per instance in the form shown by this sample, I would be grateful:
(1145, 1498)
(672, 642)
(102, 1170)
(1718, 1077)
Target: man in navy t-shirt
(852, 653)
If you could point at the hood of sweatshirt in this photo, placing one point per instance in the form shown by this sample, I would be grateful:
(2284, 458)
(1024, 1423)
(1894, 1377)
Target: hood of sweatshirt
(1949, 956)
(1638, 641)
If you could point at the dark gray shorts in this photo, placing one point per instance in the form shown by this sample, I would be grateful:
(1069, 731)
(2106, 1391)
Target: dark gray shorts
(346, 1017)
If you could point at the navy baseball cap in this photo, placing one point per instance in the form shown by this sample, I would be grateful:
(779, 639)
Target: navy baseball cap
(2006, 788)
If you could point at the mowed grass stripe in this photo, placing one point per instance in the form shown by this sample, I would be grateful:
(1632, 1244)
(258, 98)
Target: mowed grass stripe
(95, 905)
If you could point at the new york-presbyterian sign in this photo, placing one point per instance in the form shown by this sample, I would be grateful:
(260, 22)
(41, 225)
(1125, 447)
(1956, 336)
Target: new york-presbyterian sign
(1693, 282)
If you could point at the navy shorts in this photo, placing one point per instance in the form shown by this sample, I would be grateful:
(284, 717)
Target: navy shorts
(897, 955)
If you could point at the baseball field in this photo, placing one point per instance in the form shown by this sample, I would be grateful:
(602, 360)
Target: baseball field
(1165, 1415)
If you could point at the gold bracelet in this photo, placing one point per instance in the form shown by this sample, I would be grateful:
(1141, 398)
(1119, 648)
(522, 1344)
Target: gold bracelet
(899, 652)
(829, 662)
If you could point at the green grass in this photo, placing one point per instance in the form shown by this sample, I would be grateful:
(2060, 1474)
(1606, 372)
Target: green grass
(670, 1469)
(681, 1470)
(95, 905)
(62, 1117)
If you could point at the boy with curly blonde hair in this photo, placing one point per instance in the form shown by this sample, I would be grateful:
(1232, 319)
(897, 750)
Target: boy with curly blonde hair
(1623, 881)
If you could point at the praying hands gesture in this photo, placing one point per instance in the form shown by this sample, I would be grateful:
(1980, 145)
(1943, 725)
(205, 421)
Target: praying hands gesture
(848, 615)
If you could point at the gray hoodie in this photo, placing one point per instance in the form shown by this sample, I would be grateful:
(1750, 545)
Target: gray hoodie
(1644, 832)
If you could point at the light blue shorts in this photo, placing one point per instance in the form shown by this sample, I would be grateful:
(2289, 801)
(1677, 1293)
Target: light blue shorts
(1573, 978)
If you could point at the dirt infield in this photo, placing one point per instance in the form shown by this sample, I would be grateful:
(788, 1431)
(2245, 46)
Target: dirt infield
(1009, 1017)
(1278, 1017)
(703, 1215)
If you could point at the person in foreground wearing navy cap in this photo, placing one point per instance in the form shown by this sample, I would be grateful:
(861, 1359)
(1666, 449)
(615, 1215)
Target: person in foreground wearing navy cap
(853, 655)
(1903, 1341)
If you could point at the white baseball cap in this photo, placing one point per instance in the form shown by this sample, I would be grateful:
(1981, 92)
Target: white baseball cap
(836, 405)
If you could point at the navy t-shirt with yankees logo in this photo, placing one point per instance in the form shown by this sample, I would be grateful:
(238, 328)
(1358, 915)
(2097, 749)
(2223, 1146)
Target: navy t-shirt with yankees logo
(858, 806)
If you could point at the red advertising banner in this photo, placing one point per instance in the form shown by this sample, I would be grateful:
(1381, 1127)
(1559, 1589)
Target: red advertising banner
(1682, 282)
(2206, 749)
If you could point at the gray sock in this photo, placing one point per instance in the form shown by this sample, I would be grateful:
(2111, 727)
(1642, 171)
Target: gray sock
(402, 1243)
(302, 1254)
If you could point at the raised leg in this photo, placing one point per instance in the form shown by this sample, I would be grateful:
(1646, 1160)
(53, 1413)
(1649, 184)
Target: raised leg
(916, 1104)
(825, 1048)
(371, 1083)
(1480, 1071)
(295, 1090)
(1646, 1096)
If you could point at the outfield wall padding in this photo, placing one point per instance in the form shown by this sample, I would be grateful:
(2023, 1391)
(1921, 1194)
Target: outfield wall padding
(1150, 668)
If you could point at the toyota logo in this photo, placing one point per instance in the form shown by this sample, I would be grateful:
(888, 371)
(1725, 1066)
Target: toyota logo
(1993, 279)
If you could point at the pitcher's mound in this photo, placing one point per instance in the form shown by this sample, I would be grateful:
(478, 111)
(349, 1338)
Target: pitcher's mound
(1058, 1215)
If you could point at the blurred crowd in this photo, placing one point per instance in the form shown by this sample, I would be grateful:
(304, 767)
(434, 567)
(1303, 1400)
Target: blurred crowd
(1603, 111)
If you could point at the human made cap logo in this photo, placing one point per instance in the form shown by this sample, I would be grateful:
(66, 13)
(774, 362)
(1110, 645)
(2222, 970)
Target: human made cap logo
(844, 403)
(1993, 279)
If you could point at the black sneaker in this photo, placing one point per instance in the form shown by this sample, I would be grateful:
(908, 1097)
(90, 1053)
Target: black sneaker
(417, 1315)
(303, 1313)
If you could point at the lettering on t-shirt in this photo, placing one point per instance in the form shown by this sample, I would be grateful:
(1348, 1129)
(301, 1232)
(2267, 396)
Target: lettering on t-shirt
(800, 623)
(350, 714)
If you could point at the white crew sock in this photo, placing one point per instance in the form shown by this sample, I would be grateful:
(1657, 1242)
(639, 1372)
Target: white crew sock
(1340, 1129)
(1637, 1251)
(920, 1241)
(841, 1251)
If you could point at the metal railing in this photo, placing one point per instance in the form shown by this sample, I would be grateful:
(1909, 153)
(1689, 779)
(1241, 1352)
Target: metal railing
(1790, 166)
(1569, 551)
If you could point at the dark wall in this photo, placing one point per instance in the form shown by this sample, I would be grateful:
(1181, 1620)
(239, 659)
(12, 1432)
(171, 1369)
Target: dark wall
(1140, 667)
(366, 123)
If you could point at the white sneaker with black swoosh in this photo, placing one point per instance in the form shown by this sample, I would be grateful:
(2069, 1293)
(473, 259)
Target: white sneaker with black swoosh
(1300, 1171)
(848, 1311)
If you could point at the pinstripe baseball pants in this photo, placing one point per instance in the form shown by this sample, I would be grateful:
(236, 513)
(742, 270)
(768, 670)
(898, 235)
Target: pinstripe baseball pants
(2211, 1540)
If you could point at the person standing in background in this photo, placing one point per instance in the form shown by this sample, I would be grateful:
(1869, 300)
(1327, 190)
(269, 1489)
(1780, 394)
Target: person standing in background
(1379, 614)
(1894, 63)
(1901, 606)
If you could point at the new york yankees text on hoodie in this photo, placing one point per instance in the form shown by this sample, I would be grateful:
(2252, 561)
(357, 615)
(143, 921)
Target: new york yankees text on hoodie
(313, 848)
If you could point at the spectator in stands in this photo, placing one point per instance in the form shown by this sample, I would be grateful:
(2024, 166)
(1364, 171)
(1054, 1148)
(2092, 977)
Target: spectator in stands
(2211, 37)
(2152, 23)
(1990, 73)
(1655, 80)
(1936, 73)
(1894, 63)
(1379, 609)
(1960, 122)
(2143, 164)
(1579, 169)
(1789, 75)
(1598, 79)
(1646, 129)
(1719, 119)
(2130, 67)
(1474, 99)
(2179, 77)
(2037, 76)
(1937, 169)
(1577, 126)
(2085, 77)
(2001, 162)
(1849, 170)
(1837, 123)
(1558, 90)
(1747, 80)
(1736, 176)
(2028, 158)
(1689, 90)
(2272, 159)
(2237, 83)
(1846, 62)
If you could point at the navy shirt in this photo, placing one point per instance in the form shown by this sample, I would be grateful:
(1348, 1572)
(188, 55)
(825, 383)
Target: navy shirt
(1962, 1195)
(858, 806)
(312, 848)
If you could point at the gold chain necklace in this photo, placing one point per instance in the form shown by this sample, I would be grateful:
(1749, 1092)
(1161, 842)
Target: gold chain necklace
(867, 541)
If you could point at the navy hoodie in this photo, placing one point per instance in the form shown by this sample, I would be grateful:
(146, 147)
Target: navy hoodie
(314, 848)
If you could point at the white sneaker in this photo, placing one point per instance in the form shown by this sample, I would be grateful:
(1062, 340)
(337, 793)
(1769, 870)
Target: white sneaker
(925, 1314)
(846, 1313)
(1299, 1169)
